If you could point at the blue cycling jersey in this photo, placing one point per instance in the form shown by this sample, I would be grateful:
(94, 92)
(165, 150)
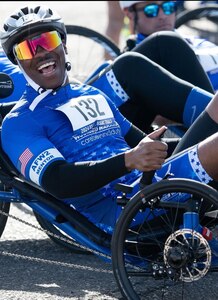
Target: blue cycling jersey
(72, 119)
(76, 123)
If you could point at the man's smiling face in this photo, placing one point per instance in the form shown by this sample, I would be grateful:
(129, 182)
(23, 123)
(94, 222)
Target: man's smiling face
(46, 67)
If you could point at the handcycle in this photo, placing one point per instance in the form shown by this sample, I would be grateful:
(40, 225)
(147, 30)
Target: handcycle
(208, 11)
(170, 244)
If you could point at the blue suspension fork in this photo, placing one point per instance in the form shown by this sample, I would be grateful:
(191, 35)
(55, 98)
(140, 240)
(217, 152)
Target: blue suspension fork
(191, 221)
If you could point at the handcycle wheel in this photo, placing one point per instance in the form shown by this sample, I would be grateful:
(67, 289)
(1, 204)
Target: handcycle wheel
(4, 207)
(203, 20)
(205, 11)
(152, 257)
(46, 225)
(86, 50)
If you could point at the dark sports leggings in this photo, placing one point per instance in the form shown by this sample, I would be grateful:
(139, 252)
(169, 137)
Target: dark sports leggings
(152, 90)
(173, 52)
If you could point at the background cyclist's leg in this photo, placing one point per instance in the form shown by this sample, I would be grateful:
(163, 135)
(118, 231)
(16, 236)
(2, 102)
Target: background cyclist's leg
(152, 90)
(173, 53)
(205, 125)
(207, 152)
(200, 160)
(198, 163)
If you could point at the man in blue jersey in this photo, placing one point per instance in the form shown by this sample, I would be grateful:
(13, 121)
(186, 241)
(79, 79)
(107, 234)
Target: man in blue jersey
(72, 140)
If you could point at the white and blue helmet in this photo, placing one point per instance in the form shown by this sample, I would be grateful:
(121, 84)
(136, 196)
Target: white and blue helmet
(127, 4)
(28, 20)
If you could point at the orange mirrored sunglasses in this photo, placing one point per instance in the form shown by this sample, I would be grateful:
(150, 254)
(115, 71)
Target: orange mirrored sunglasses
(47, 40)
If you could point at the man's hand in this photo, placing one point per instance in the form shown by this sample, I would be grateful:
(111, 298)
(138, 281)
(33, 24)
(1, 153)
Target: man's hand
(149, 154)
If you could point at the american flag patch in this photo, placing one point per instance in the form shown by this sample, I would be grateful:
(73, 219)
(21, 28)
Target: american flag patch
(24, 159)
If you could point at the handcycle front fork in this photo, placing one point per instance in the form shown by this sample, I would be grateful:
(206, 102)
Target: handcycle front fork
(184, 249)
(191, 221)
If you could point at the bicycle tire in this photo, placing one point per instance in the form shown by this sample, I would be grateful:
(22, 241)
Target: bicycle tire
(5, 208)
(128, 242)
(195, 14)
(86, 50)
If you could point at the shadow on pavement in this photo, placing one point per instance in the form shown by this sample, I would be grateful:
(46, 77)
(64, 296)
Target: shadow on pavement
(54, 270)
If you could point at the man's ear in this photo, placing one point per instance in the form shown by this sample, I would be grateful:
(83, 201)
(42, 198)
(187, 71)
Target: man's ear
(130, 14)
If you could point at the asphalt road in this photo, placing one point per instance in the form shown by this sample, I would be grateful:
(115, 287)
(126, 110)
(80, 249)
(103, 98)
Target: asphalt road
(34, 267)
(31, 265)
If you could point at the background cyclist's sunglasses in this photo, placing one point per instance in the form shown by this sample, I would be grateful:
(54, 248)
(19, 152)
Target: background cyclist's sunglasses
(152, 10)
(47, 40)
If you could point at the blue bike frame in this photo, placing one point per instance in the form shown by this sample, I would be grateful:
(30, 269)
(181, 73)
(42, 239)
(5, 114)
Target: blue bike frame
(51, 215)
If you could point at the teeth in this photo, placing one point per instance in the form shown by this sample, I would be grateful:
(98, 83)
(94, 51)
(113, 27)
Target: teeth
(46, 65)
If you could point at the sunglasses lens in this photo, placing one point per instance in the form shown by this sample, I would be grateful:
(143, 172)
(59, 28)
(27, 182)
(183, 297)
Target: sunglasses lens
(23, 51)
(151, 10)
(47, 40)
(169, 7)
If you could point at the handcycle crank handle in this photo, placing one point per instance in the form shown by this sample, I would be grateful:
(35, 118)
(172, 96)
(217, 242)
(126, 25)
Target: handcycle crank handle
(148, 176)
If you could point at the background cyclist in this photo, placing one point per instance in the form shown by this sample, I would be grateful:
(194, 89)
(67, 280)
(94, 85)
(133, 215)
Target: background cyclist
(149, 18)
(155, 37)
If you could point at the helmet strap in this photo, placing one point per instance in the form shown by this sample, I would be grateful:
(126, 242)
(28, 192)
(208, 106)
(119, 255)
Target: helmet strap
(32, 83)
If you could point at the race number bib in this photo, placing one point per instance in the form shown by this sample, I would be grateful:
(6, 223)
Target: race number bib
(85, 110)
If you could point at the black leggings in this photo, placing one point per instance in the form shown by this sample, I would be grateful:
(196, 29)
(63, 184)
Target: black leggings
(153, 88)
(171, 51)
